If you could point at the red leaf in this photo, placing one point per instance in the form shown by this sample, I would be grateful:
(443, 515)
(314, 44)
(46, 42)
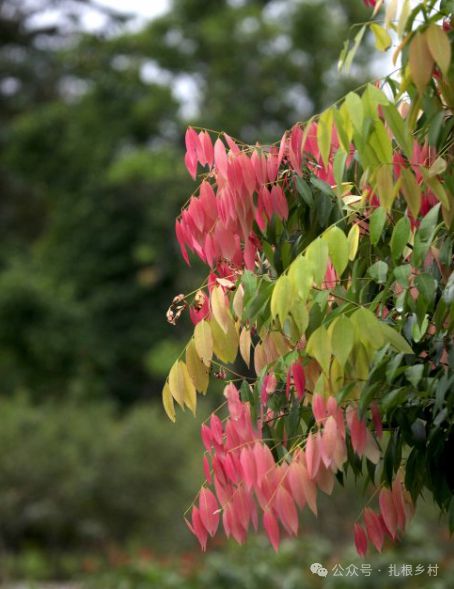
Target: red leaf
(299, 379)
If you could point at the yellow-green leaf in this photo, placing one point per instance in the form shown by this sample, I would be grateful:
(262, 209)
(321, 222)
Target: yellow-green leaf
(342, 338)
(337, 247)
(196, 368)
(300, 317)
(190, 394)
(225, 345)
(355, 110)
(411, 190)
(437, 188)
(368, 328)
(420, 61)
(177, 382)
(385, 186)
(381, 143)
(439, 47)
(167, 401)
(219, 307)
(317, 255)
(382, 37)
(238, 301)
(344, 127)
(353, 241)
(245, 345)
(318, 347)
(438, 167)
(282, 298)
(301, 276)
(324, 133)
(204, 341)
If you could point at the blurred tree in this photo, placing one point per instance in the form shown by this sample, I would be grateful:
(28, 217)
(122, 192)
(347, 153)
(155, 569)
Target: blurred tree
(92, 174)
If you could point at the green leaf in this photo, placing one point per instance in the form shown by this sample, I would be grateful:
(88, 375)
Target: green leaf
(304, 190)
(382, 38)
(426, 286)
(337, 247)
(395, 339)
(400, 237)
(398, 127)
(368, 328)
(376, 224)
(342, 338)
(378, 272)
(347, 55)
(338, 167)
(402, 274)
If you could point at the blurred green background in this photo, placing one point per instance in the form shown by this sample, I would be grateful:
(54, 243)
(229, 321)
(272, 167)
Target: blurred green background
(94, 480)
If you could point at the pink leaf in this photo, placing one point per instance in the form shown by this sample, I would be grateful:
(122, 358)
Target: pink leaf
(388, 511)
(208, 509)
(318, 408)
(312, 455)
(272, 528)
(247, 461)
(360, 540)
(220, 158)
(374, 528)
(197, 528)
(329, 441)
(206, 469)
(286, 510)
(295, 479)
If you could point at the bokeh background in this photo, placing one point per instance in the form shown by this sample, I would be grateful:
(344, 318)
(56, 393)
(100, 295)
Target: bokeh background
(95, 96)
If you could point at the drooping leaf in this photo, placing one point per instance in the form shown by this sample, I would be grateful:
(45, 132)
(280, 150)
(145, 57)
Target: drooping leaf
(197, 370)
(376, 225)
(317, 255)
(439, 47)
(167, 401)
(219, 307)
(400, 237)
(353, 241)
(342, 338)
(282, 298)
(203, 340)
(338, 248)
(382, 37)
(420, 61)
(324, 132)
(319, 347)
(177, 382)
(411, 190)
(225, 345)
